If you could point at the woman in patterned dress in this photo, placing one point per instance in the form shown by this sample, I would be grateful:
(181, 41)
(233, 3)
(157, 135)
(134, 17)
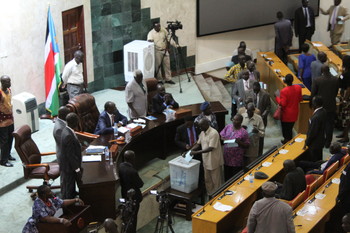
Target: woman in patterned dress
(233, 153)
(45, 207)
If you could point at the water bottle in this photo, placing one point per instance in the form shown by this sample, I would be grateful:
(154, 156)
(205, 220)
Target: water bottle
(115, 128)
(251, 179)
(106, 153)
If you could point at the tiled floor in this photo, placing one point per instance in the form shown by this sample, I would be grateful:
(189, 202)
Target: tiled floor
(16, 204)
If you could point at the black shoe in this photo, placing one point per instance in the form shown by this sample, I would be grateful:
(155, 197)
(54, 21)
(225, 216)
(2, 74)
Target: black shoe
(7, 164)
(343, 140)
(340, 136)
(160, 82)
(170, 82)
(12, 158)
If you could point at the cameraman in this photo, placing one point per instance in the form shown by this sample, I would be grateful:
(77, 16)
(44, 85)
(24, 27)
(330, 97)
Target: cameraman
(160, 37)
(130, 179)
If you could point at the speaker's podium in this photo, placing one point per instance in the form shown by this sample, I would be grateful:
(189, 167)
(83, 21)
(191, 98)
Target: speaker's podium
(79, 216)
(138, 55)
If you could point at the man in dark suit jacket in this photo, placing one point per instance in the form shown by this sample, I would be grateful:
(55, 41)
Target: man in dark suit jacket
(186, 135)
(327, 87)
(108, 118)
(70, 162)
(130, 179)
(60, 124)
(284, 36)
(315, 139)
(304, 23)
(163, 100)
(242, 89)
(262, 101)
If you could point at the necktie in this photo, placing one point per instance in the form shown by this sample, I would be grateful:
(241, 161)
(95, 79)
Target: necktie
(191, 137)
(334, 17)
(256, 100)
(112, 120)
(143, 88)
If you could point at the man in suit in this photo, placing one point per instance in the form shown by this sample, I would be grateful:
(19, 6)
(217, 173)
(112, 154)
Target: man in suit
(262, 101)
(315, 138)
(130, 179)
(283, 37)
(327, 87)
(242, 89)
(253, 73)
(60, 124)
(163, 100)
(337, 17)
(316, 66)
(108, 118)
(70, 162)
(186, 135)
(304, 23)
(240, 51)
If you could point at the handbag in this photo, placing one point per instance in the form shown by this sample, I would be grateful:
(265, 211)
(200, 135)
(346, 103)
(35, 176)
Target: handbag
(278, 113)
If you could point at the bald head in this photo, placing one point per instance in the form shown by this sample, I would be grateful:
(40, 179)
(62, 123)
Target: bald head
(161, 89)
(79, 56)
(203, 124)
(110, 226)
(63, 111)
(5, 82)
(129, 156)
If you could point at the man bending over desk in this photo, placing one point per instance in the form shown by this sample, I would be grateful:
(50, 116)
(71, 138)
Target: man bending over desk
(269, 214)
(108, 118)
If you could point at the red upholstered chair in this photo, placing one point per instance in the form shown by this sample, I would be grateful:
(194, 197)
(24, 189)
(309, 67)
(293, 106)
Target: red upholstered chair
(344, 160)
(311, 188)
(298, 200)
(151, 84)
(31, 158)
(84, 106)
(330, 171)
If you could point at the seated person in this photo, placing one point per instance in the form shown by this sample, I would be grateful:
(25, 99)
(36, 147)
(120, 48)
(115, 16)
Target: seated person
(186, 135)
(163, 100)
(319, 167)
(208, 114)
(294, 182)
(108, 118)
(240, 50)
(45, 207)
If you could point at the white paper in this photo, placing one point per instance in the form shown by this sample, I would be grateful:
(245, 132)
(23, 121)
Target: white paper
(283, 151)
(123, 130)
(231, 143)
(299, 139)
(277, 70)
(336, 181)
(58, 213)
(341, 19)
(221, 207)
(95, 149)
(131, 125)
(317, 44)
(139, 120)
(320, 196)
(188, 157)
(333, 71)
(92, 158)
(302, 212)
(266, 164)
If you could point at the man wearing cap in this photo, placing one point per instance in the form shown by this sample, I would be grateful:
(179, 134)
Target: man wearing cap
(270, 214)
(207, 114)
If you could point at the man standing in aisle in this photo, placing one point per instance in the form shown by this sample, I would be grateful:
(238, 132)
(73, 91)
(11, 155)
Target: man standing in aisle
(136, 96)
(130, 180)
(283, 37)
(337, 17)
(159, 36)
(70, 161)
(6, 122)
(213, 160)
(60, 124)
(304, 23)
(73, 75)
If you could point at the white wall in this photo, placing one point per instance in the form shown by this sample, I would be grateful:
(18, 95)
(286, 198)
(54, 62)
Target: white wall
(23, 31)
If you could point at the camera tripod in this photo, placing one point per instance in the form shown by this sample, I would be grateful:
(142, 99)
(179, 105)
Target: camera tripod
(176, 53)
(164, 220)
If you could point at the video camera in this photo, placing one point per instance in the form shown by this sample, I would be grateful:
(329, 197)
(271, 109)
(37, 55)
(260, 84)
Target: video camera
(174, 25)
(127, 206)
(163, 200)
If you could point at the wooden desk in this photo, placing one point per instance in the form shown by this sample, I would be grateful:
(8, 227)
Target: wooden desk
(212, 221)
(100, 180)
(318, 210)
(274, 82)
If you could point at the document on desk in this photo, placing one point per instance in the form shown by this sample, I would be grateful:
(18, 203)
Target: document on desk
(231, 143)
(95, 149)
(283, 151)
(92, 158)
(299, 139)
(221, 207)
(317, 44)
(123, 130)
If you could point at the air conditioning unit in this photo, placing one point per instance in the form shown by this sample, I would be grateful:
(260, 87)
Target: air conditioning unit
(138, 54)
(25, 111)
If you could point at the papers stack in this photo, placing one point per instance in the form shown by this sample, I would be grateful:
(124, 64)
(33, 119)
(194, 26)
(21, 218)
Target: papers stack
(92, 158)
(95, 149)
(221, 207)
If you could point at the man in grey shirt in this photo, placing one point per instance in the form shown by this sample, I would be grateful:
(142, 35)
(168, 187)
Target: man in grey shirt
(317, 65)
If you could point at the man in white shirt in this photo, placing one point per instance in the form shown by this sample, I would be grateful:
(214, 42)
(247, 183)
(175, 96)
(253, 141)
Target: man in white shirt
(73, 75)
(136, 96)
(159, 36)
(337, 17)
